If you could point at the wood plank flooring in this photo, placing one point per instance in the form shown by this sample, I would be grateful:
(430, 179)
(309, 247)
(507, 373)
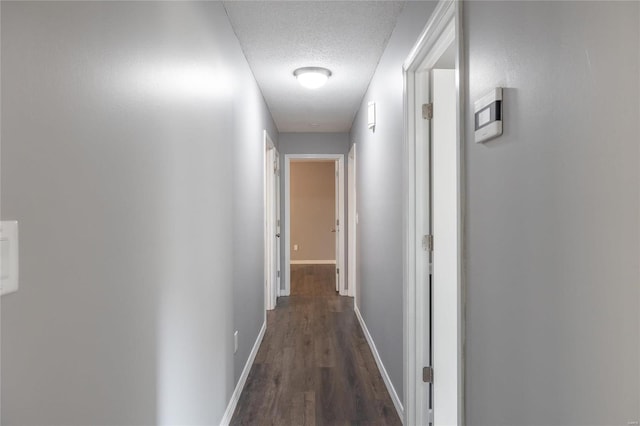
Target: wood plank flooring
(314, 366)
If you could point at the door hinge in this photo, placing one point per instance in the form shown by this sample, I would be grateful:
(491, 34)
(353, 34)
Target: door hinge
(338, 222)
(427, 242)
(278, 274)
(427, 374)
(338, 271)
(427, 111)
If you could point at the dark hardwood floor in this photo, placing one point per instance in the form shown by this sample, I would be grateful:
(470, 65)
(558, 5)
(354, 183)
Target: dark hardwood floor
(314, 366)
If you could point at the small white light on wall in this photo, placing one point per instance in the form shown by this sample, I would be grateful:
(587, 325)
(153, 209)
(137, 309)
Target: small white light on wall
(371, 115)
(312, 77)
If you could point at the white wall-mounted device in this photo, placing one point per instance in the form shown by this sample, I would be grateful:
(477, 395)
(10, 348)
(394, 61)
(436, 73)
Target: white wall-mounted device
(9, 259)
(488, 116)
(371, 115)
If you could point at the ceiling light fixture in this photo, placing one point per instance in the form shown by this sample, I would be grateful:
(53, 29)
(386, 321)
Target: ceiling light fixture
(312, 77)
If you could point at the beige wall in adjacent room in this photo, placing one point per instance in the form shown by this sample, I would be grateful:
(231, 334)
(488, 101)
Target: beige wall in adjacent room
(312, 210)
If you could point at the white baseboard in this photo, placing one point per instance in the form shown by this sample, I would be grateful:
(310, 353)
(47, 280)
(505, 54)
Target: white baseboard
(313, 262)
(383, 371)
(231, 407)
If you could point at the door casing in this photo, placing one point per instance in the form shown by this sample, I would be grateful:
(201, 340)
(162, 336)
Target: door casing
(441, 31)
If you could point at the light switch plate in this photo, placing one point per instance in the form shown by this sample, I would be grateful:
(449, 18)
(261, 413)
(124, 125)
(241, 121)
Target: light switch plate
(9, 256)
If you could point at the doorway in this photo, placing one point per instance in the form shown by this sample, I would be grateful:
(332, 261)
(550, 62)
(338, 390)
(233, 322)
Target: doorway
(433, 226)
(326, 232)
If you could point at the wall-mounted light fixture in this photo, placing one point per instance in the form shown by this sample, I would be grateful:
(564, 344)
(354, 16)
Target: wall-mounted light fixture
(371, 115)
(312, 77)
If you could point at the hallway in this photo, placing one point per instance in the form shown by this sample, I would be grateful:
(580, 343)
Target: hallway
(314, 366)
(137, 235)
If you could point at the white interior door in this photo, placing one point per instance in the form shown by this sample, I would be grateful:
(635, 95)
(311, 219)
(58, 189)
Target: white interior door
(273, 226)
(277, 224)
(423, 321)
(337, 227)
(351, 253)
(268, 261)
(445, 248)
(271, 245)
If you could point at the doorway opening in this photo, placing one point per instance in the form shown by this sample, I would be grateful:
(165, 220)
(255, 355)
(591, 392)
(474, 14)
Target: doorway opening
(314, 216)
(433, 223)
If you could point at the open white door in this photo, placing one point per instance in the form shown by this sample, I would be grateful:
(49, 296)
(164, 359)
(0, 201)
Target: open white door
(271, 244)
(437, 282)
(445, 247)
(424, 279)
(278, 223)
(341, 278)
(351, 241)
(337, 229)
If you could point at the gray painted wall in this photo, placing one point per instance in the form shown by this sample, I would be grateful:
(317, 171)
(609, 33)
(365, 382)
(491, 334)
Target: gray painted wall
(552, 215)
(117, 124)
(379, 179)
(251, 118)
(311, 143)
(314, 143)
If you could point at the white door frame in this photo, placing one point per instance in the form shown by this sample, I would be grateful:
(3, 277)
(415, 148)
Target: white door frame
(443, 29)
(339, 158)
(352, 212)
(271, 201)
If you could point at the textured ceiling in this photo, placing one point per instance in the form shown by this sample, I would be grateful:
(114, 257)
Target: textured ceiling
(348, 37)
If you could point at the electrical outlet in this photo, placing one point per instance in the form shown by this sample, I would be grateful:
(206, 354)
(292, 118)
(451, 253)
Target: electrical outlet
(235, 342)
(295, 247)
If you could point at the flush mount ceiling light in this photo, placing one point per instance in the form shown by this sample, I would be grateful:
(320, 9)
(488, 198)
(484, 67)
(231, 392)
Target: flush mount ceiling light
(312, 77)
